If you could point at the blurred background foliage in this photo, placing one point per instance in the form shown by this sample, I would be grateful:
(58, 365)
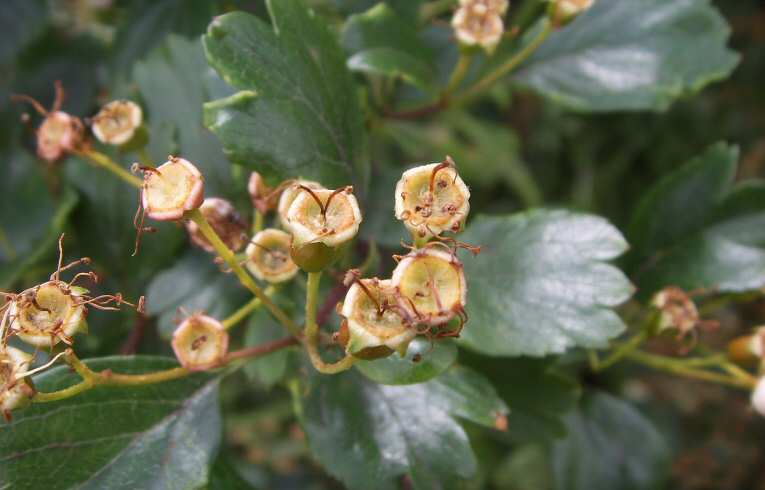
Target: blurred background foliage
(516, 150)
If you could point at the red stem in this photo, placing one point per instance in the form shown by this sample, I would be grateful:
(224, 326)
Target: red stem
(418, 112)
(262, 349)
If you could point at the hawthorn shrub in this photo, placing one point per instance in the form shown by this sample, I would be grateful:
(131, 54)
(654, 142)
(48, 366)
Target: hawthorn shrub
(397, 244)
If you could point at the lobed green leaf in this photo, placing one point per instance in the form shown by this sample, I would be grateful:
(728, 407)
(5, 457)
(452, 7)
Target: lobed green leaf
(696, 229)
(156, 436)
(541, 284)
(394, 64)
(370, 435)
(423, 361)
(298, 114)
(539, 393)
(610, 445)
(631, 55)
(367, 37)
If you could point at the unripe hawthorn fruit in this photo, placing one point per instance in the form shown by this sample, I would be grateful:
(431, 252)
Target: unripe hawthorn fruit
(172, 189)
(289, 194)
(47, 314)
(431, 199)
(200, 343)
(476, 24)
(15, 392)
(268, 256)
(313, 257)
(117, 122)
(431, 285)
(226, 222)
(376, 324)
(59, 133)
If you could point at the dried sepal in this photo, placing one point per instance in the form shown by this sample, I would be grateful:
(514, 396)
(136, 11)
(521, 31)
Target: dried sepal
(479, 23)
(15, 392)
(329, 217)
(200, 343)
(171, 189)
(432, 199)
(263, 198)
(676, 310)
(60, 132)
(289, 192)
(49, 313)
(375, 324)
(431, 286)
(116, 123)
(268, 256)
(226, 222)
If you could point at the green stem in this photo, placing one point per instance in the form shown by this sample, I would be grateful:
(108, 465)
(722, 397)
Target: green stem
(258, 222)
(509, 65)
(482, 84)
(708, 361)
(246, 309)
(247, 281)
(312, 331)
(376, 85)
(91, 379)
(592, 358)
(676, 366)
(419, 241)
(116, 379)
(103, 161)
(622, 350)
(261, 350)
(69, 392)
(738, 373)
(459, 73)
(372, 258)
